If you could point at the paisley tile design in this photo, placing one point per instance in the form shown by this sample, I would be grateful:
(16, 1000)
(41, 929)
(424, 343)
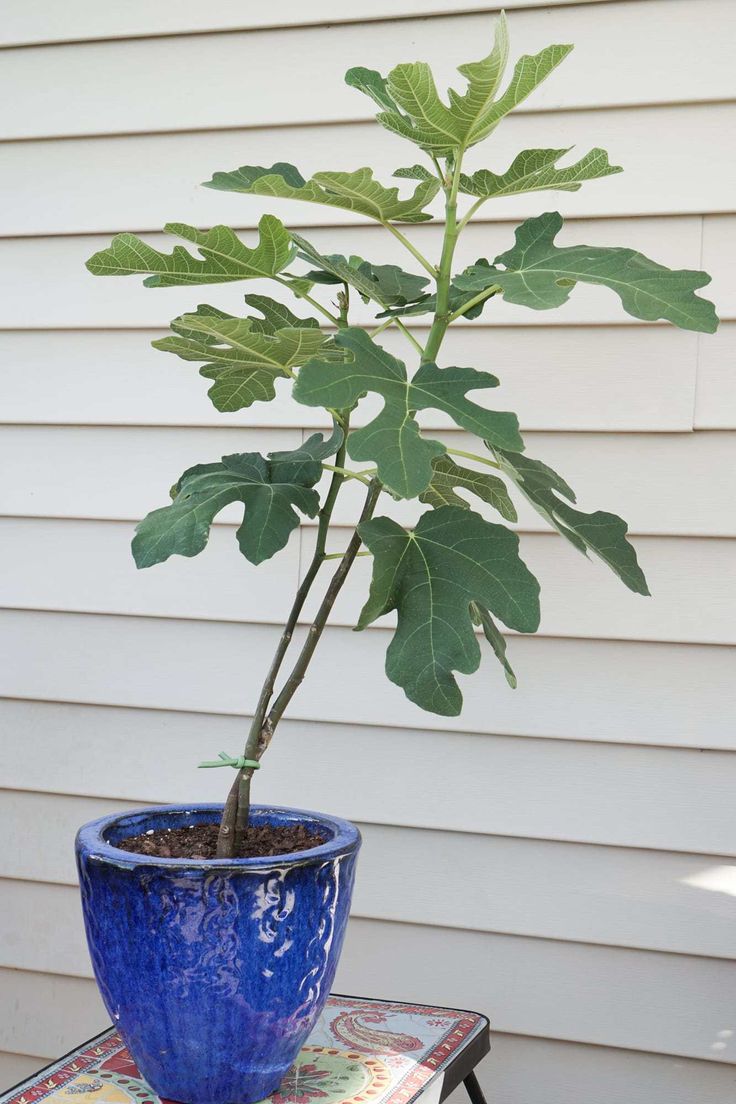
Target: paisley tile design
(411, 1047)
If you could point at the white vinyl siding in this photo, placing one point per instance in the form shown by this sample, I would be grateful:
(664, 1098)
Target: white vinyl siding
(560, 857)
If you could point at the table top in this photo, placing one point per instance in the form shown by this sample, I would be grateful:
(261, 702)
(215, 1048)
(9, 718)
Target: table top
(362, 1051)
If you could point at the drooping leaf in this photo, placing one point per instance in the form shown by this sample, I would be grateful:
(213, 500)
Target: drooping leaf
(430, 576)
(538, 274)
(413, 108)
(224, 256)
(481, 616)
(427, 304)
(384, 284)
(272, 491)
(535, 171)
(352, 191)
(602, 533)
(392, 440)
(448, 478)
(242, 359)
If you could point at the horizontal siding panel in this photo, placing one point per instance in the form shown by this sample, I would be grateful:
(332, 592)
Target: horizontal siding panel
(86, 20)
(540, 1071)
(681, 695)
(81, 301)
(569, 892)
(702, 569)
(148, 86)
(16, 1067)
(715, 404)
(567, 991)
(94, 572)
(662, 484)
(49, 1014)
(609, 378)
(661, 798)
(140, 182)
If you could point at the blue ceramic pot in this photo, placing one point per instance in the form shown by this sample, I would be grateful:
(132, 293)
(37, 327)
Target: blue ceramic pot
(215, 971)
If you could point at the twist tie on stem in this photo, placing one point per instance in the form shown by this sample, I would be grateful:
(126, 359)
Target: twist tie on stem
(239, 762)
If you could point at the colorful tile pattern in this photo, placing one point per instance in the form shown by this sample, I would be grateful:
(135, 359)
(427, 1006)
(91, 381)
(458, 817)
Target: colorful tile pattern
(361, 1052)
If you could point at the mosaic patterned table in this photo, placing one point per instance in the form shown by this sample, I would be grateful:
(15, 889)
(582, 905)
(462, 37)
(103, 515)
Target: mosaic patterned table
(362, 1051)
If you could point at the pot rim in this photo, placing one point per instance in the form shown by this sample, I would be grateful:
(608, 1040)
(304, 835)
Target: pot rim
(91, 840)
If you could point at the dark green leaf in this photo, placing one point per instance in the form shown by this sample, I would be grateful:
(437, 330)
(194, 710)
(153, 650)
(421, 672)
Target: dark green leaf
(538, 274)
(495, 638)
(352, 191)
(449, 477)
(392, 440)
(371, 83)
(384, 284)
(601, 533)
(430, 576)
(535, 171)
(225, 258)
(271, 490)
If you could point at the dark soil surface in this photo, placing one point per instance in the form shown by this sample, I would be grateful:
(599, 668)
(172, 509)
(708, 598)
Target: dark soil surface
(200, 841)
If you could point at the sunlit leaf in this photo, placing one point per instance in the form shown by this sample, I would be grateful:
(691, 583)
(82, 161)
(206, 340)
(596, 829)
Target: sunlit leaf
(535, 171)
(224, 257)
(353, 191)
(242, 355)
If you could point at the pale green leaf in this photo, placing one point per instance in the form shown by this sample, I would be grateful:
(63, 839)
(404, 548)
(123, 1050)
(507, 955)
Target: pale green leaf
(392, 440)
(448, 478)
(224, 257)
(535, 171)
(602, 533)
(484, 78)
(352, 191)
(242, 359)
(431, 575)
(415, 172)
(538, 274)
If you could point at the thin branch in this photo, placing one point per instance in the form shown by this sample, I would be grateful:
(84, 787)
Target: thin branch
(474, 456)
(426, 265)
(309, 299)
(316, 628)
(479, 298)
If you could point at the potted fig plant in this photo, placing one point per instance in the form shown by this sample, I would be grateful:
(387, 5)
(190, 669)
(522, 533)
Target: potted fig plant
(215, 931)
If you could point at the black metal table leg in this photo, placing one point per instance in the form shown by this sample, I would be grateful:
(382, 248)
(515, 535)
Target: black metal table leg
(475, 1092)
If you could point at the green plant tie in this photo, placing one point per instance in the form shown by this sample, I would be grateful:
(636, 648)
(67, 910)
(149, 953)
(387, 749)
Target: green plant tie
(239, 762)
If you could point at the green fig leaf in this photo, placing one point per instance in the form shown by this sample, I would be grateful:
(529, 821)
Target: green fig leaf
(431, 576)
(535, 171)
(601, 533)
(352, 191)
(412, 107)
(481, 616)
(392, 440)
(448, 478)
(387, 285)
(538, 274)
(272, 491)
(242, 359)
(224, 256)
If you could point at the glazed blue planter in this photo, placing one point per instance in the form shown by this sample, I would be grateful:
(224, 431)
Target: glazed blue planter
(214, 971)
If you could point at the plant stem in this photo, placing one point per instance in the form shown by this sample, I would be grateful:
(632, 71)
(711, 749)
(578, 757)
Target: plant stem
(309, 299)
(473, 456)
(317, 627)
(237, 806)
(349, 474)
(479, 298)
(426, 265)
(444, 277)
